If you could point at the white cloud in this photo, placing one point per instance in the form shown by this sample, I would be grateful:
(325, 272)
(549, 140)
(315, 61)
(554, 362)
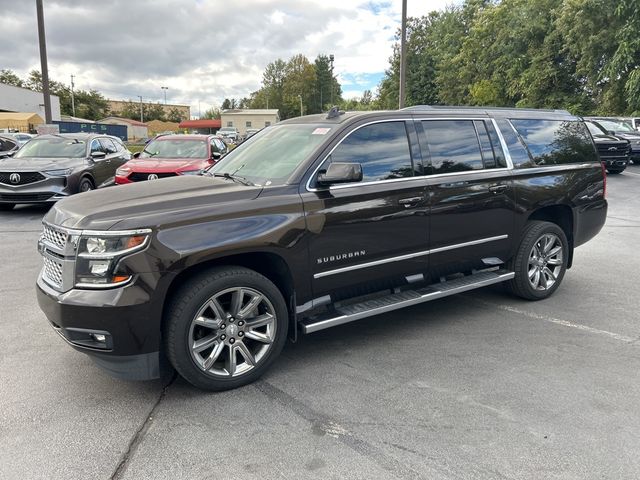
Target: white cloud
(203, 51)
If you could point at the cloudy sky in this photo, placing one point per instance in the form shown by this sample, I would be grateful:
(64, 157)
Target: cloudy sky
(203, 50)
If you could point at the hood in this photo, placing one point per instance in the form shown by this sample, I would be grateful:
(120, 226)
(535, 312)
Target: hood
(165, 165)
(38, 164)
(148, 204)
(632, 137)
(608, 139)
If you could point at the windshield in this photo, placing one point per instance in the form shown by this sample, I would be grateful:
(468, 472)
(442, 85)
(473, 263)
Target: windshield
(175, 148)
(270, 156)
(615, 126)
(594, 129)
(53, 147)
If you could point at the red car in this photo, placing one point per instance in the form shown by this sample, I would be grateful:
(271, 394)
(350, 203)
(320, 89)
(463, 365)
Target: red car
(171, 155)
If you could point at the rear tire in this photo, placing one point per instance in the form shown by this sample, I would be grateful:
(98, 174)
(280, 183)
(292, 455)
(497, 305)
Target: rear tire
(540, 262)
(7, 206)
(224, 328)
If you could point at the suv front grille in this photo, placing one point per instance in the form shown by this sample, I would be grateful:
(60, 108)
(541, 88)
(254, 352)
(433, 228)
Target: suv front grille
(25, 178)
(25, 197)
(608, 150)
(141, 177)
(54, 237)
(52, 272)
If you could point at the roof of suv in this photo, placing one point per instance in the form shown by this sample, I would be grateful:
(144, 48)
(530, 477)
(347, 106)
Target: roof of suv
(438, 110)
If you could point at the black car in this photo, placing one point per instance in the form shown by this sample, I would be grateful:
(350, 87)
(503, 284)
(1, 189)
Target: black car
(8, 146)
(51, 167)
(316, 222)
(624, 129)
(613, 150)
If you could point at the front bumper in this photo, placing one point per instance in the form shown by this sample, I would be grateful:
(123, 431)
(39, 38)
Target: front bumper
(49, 190)
(126, 317)
(616, 162)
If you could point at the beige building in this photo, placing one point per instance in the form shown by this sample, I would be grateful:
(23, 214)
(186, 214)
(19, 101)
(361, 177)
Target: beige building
(242, 119)
(116, 107)
(158, 126)
(20, 122)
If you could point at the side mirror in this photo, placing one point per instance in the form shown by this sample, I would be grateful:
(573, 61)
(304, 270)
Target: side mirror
(98, 155)
(216, 155)
(341, 172)
(611, 132)
(136, 155)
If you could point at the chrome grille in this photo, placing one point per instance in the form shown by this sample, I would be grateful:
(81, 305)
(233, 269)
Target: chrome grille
(52, 272)
(54, 237)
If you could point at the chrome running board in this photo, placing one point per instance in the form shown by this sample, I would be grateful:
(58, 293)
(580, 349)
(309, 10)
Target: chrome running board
(395, 301)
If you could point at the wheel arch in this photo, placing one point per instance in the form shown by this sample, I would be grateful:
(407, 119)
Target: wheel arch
(271, 265)
(561, 215)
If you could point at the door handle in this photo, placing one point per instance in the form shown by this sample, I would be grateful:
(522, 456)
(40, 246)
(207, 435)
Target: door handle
(496, 189)
(410, 202)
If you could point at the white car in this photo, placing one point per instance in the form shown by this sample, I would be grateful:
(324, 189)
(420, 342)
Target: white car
(229, 132)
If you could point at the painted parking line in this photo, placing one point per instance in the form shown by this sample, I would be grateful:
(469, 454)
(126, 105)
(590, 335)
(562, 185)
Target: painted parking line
(626, 172)
(558, 321)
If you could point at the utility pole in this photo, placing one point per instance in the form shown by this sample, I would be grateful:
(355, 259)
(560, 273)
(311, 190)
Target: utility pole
(300, 97)
(331, 58)
(165, 94)
(43, 62)
(141, 109)
(403, 55)
(73, 101)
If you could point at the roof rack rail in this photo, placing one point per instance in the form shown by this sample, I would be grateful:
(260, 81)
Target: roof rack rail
(484, 109)
(334, 113)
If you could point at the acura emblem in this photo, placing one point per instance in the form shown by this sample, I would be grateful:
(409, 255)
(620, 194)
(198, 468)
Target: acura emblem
(613, 149)
(14, 178)
(152, 176)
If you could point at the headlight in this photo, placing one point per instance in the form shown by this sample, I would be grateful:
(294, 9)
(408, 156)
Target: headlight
(123, 171)
(190, 172)
(63, 172)
(99, 255)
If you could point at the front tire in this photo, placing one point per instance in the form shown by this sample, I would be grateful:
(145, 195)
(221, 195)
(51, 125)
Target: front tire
(85, 185)
(225, 327)
(615, 171)
(541, 261)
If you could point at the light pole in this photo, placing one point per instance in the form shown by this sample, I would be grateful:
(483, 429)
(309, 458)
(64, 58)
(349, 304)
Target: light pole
(73, 101)
(165, 94)
(331, 57)
(141, 115)
(403, 55)
(43, 62)
(300, 97)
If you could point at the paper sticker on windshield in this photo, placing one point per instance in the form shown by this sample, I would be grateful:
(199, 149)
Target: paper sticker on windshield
(321, 131)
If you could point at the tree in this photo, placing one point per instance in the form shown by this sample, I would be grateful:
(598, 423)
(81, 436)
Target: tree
(8, 77)
(212, 113)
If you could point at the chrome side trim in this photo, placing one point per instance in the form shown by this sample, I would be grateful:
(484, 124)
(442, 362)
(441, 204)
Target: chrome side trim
(98, 233)
(468, 244)
(415, 177)
(407, 256)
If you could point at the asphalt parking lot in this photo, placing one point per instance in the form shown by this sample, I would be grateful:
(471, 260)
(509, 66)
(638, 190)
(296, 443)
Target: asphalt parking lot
(476, 386)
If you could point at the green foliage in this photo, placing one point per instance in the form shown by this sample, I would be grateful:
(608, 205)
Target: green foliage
(214, 113)
(9, 78)
(582, 55)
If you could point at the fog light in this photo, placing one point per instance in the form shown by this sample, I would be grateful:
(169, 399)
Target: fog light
(99, 337)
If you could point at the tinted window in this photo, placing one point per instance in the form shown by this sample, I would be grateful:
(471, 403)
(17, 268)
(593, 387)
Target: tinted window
(485, 144)
(6, 145)
(501, 160)
(108, 145)
(96, 146)
(519, 155)
(453, 145)
(382, 149)
(554, 142)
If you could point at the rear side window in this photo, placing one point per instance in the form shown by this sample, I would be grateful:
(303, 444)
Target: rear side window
(485, 143)
(453, 145)
(517, 151)
(555, 142)
(382, 149)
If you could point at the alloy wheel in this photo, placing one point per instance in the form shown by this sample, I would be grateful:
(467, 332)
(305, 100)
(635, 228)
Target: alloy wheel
(232, 332)
(545, 262)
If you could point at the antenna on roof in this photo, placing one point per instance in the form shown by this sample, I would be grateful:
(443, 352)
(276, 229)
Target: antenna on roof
(334, 112)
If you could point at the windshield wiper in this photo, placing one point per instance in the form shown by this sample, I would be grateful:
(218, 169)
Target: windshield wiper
(151, 154)
(235, 178)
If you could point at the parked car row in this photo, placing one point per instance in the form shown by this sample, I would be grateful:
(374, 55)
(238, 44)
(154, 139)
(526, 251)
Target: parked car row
(47, 168)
